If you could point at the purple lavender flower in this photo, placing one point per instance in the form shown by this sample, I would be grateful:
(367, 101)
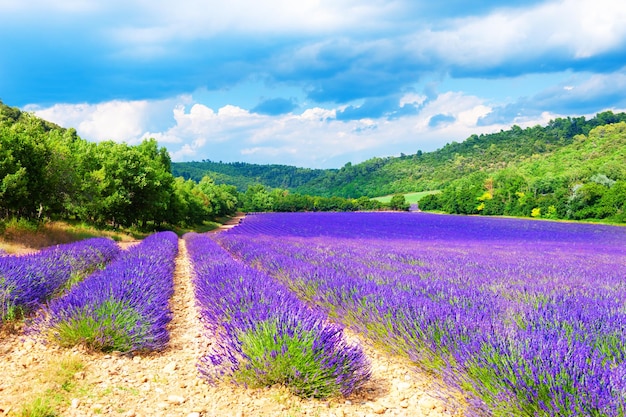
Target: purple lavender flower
(526, 316)
(265, 335)
(123, 307)
(29, 280)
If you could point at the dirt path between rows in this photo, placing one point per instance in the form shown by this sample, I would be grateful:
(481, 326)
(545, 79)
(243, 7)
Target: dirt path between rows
(167, 384)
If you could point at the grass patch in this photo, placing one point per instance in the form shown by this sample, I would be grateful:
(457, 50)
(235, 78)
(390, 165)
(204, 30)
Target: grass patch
(410, 198)
(110, 326)
(294, 359)
(39, 407)
(20, 235)
(54, 387)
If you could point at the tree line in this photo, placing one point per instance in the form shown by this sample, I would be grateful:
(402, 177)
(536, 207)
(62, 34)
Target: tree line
(48, 172)
(243, 175)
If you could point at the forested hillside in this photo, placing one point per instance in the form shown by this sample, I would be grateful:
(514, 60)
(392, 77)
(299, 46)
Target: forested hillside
(573, 168)
(243, 175)
(584, 180)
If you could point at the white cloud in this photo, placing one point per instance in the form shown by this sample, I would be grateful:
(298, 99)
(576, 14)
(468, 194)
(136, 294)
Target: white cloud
(121, 121)
(313, 138)
(581, 28)
(115, 120)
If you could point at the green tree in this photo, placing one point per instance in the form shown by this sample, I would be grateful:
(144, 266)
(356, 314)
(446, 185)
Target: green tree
(127, 185)
(257, 199)
(398, 202)
(222, 198)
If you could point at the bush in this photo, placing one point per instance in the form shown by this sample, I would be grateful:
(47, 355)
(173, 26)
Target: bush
(266, 335)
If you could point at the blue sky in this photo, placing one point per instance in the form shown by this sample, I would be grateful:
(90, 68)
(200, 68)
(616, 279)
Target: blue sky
(312, 83)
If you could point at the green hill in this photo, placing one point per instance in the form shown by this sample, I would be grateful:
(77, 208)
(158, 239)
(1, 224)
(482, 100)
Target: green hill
(561, 170)
(435, 170)
(243, 175)
(585, 179)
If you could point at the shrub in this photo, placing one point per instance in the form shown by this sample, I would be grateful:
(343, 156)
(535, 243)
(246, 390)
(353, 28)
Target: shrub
(27, 281)
(265, 334)
(123, 307)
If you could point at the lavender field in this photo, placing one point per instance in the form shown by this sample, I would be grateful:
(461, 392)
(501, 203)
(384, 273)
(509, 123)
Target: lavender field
(525, 317)
(27, 281)
(265, 335)
(123, 307)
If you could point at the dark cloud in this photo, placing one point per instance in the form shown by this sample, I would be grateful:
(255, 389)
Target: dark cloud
(275, 106)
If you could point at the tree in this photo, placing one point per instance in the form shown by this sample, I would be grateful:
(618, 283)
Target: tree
(257, 199)
(128, 185)
(398, 202)
(222, 199)
(24, 158)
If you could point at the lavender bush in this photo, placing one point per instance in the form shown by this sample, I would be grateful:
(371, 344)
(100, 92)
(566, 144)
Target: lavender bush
(526, 317)
(265, 334)
(27, 281)
(121, 308)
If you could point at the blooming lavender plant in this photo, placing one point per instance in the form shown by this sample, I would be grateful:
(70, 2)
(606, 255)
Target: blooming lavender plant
(27, 281)
(265, 335)
(527, 317)
(121, 308)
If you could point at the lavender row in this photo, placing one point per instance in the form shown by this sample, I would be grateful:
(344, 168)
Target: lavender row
(531, 323)
(265, 334)
(121, 308)
(29, 280)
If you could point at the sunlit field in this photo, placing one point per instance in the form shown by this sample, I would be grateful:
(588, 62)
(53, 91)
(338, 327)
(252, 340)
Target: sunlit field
(519, 317)
(524, 317)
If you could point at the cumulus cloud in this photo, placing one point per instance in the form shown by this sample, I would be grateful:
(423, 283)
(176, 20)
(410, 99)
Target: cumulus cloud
(121, 121)
(315, 137)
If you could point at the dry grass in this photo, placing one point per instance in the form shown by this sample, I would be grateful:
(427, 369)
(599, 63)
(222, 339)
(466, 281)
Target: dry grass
(19, 237)
(50, 391)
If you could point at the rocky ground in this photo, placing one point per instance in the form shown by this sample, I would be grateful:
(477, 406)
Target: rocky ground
(167, 384)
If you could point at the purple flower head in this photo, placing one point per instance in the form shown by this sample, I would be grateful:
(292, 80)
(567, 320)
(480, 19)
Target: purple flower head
(123, 307)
